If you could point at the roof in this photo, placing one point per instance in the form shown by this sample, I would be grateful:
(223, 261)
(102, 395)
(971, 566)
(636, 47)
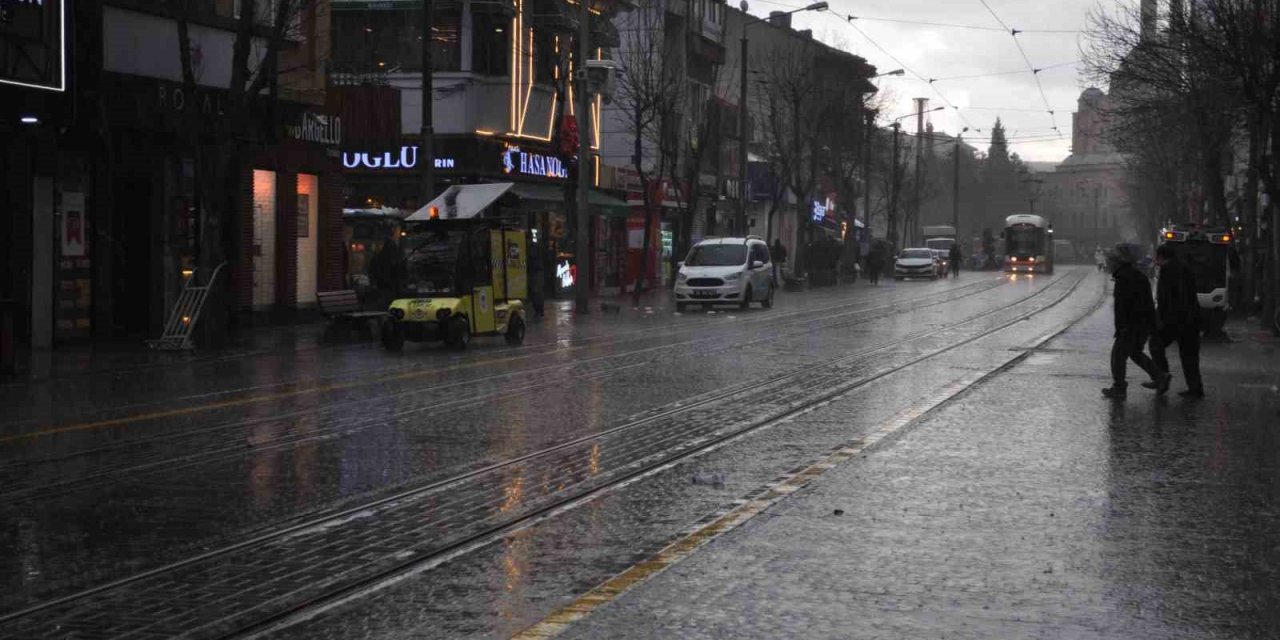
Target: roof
(1023, 218)
(730, 240)
(469, 200)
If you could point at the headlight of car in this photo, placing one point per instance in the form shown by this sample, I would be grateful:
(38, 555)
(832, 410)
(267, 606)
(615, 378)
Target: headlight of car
(733, 276)
(681, 277)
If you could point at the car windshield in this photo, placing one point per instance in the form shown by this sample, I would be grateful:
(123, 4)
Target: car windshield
(431, 261)
(916, 254)
(717, 255)
(1023, 241)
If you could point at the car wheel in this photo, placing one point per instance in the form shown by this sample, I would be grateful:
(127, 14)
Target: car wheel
(768, 300)
(459, 333)
(515, 331)
(681, 307)
(392, 336)
(1214, 321)
(746, 297)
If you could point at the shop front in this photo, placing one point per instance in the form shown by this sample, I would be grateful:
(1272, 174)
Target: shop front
(390, 177)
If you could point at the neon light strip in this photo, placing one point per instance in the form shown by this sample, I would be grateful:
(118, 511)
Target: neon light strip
(528, 93)
(62, 56)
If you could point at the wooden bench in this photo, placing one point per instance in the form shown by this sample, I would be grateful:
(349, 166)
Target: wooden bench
(344, 307)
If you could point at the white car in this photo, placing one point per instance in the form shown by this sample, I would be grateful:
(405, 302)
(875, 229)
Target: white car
(726, 271)
(915, 263)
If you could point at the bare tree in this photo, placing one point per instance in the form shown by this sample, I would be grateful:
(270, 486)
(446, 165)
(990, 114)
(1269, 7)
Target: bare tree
(688, 134)
(263, 29)
(648, 96)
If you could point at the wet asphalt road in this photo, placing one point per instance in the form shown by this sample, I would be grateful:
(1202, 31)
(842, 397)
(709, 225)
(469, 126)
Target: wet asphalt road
(340, 491)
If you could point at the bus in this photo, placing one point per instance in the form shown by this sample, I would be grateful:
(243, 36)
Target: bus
(1028, 244)
(1208, 252)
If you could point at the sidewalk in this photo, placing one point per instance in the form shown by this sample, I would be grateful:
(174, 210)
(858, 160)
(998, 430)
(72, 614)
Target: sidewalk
(1029, 508)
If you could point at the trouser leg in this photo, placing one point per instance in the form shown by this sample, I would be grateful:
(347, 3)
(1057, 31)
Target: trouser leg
(1159, 343)
(1189, 354)
(1139, 358)
(1119, 354)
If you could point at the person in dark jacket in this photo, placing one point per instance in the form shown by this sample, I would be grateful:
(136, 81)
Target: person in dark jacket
(1135, 317)
(1177, 320)
(953, 256)
(778, 255)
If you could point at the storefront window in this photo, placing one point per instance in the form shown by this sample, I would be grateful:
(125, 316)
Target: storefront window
(264, 238)
(373, 41)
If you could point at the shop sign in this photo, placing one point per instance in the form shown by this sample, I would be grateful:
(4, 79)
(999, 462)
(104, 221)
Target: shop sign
(566, 273)
(408, 159)
(33, 42)
(532, 164)
(824, 210)
(318, 128)
(176, 98)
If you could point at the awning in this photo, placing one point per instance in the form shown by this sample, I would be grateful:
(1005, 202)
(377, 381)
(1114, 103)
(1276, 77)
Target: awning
(600, 203)
(469, 200)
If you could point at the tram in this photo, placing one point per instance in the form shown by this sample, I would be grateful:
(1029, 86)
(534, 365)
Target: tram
(1208, 251)
(1028, 244)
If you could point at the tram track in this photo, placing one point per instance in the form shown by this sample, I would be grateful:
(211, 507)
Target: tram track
(20, 485)
(382, 373)
(630, 467)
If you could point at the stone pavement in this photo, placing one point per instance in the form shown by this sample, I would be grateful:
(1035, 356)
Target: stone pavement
(1030, 507)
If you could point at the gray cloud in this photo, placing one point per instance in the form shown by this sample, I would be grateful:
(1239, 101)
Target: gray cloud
(944, 52)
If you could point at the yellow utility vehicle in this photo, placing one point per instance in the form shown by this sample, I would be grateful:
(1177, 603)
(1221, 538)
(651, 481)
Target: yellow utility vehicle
(464, 274)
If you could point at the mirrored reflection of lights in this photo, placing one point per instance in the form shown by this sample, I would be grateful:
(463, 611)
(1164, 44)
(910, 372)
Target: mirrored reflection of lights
(593, 467)
(514, 494)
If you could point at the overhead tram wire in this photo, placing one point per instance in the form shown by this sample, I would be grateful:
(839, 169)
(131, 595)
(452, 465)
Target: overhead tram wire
(1003, 73)
(919, 77)
(926, 23)
(1035, 73)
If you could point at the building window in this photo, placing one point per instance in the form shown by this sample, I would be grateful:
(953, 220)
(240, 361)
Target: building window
(490, 44)
(382, 41)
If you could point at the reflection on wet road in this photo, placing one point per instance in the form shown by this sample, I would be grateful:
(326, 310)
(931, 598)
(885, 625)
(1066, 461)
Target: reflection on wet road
(345, 492)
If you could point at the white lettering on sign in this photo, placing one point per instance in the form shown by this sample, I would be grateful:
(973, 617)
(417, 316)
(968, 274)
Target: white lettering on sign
(314, 127)
(407, 159)
(532, 164)
(564, 271)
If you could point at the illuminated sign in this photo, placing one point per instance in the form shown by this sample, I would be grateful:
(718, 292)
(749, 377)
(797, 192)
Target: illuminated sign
(33, 44)
(532, 164)
(823, 210)
(407, 159)
(315, 127)
(566, 273)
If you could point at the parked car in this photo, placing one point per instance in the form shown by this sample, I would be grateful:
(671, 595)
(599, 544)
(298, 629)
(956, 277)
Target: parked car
(915, 263)
(726, 271)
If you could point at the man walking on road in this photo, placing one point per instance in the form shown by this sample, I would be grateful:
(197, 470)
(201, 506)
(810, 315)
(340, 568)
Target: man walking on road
(778, 254)
(954, 257)
(1177, 320)
(1135, 315)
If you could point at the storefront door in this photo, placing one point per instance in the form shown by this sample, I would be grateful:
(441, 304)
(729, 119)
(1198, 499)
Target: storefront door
(308, 209)
(264, 238)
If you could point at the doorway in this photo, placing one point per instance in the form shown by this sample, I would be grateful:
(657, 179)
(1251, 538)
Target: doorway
(264, 238)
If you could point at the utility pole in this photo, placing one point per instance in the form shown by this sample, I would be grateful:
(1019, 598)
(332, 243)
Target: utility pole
(582, 285)
(955, 186)
(915, 207)
(892, 234)
(866, 168)
(426, 134)
(742, 139)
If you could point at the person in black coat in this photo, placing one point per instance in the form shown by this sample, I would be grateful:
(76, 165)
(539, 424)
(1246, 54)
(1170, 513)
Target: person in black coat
(1177, 320)
(953, 256)
(1135, 317)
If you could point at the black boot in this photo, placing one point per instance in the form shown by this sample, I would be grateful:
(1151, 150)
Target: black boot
(1117, 391)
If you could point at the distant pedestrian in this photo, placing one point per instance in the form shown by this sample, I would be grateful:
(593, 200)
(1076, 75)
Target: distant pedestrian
(1100, 258)
(1135, 318)
(387, 270)
(778, 253)
(537, 279)
(1177, 320)
(874, 258)
(953, 256)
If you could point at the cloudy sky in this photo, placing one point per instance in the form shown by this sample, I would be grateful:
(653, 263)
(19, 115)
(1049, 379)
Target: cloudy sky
(953, 55)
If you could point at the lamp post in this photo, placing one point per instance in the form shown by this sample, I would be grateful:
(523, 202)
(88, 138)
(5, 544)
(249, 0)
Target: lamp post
(893, 194)
(582, 283)
(426, 133)
(742, 114)
(866, 151)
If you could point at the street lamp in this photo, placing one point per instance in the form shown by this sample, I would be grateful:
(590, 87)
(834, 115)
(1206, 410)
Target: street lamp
(742, 114)
(895, 72)
(893, 198)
